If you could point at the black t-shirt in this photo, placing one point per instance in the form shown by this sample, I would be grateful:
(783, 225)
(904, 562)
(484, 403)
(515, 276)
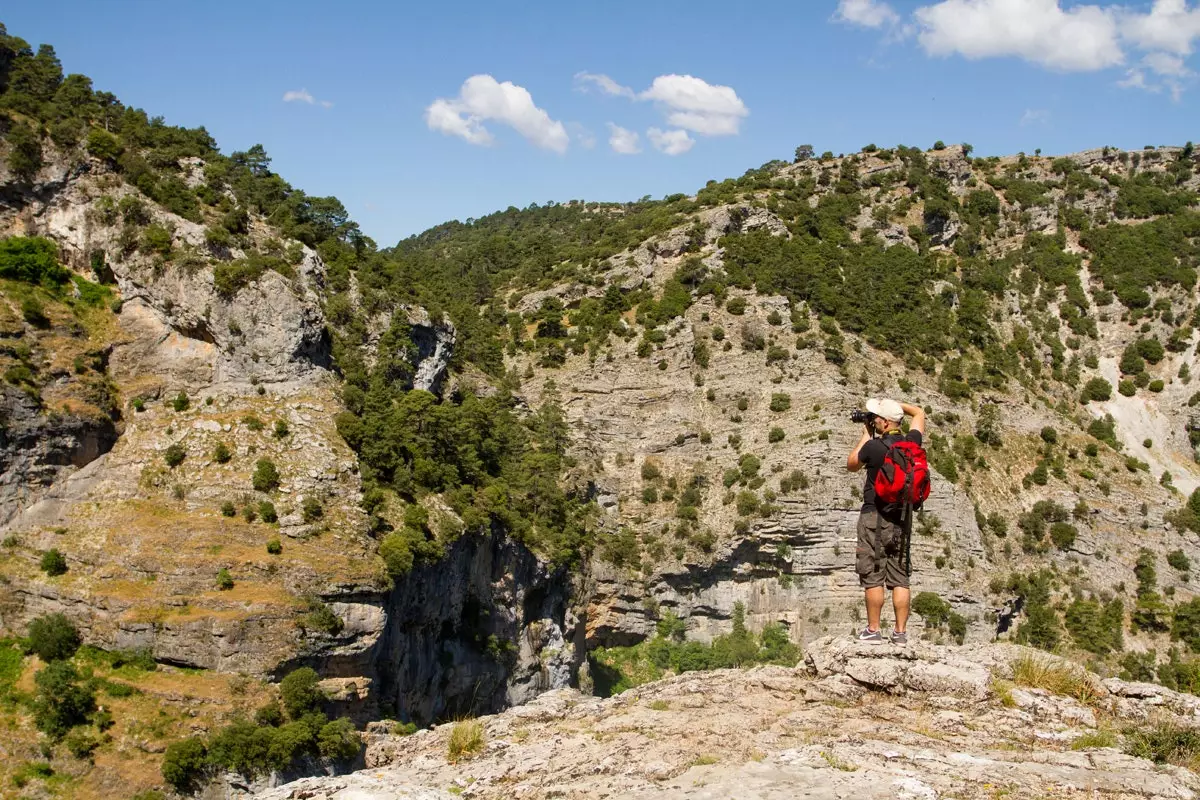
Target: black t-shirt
(872, 454)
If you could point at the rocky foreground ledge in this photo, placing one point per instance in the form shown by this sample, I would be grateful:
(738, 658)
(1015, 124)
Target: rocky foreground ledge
(850, 721)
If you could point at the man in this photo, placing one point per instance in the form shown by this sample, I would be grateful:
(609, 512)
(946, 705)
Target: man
(879, 557)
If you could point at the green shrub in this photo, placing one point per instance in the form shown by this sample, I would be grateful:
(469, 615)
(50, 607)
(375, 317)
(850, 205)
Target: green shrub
(81, 743)
(932, 608)
(1156, 385)
(1185, 623)
(736, 306)
(338, 741)
(274, 547)
(174, 455)
(228, 509)
(1063, 535)
(266, 476)
(181, 402)
(221, 453)
(321, 617)
(1049, 435)
(649, 495)
(281, 428)
(185, 763)
(53, 563)
(52, 637)
(1165, 742)
(780, 402)
(224, 579)
(156, 238)
(300, 693)
(311, 509)
(650, 471)
(31, 260)
(776, 435)
(62, 699)
(1096, 389)
(34, 313)
(266, 510)
(252, 422)
(1178, 560)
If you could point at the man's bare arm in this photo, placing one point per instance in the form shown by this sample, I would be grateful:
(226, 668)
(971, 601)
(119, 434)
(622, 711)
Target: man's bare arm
(852, 462)
(918, 417)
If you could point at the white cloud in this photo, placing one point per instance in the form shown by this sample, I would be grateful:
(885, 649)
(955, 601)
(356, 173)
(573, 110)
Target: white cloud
(1080, 38)
(304, 96)
(298, 96)
(1167, 64)
(483, 98)
(585, 80)
(696, 105)
(623, 140)
(1170, 26)
(868, 13)
(672, 143)
(1077, 36)
(1034, 115)
(1171, 70)
(1136, 79)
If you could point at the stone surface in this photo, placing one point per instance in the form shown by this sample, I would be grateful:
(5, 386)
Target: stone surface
(775, 732)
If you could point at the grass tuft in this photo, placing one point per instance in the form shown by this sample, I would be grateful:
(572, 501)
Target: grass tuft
(466, 738)
(1095, 739)
(1056, 677)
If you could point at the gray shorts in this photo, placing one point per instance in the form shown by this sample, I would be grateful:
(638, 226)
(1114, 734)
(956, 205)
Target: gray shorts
(879, 554)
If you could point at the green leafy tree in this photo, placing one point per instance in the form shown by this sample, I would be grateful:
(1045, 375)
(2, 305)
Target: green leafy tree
(185, 763)
(25, 152)
(52, 637)
(300, 693)
(62, 699)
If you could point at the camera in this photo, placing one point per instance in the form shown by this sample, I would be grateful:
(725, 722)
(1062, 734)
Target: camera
(864, 417)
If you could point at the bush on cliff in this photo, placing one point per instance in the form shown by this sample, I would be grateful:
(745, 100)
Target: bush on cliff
(31, 259)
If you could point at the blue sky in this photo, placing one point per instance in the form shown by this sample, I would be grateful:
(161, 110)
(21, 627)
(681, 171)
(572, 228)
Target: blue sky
(1005, 75)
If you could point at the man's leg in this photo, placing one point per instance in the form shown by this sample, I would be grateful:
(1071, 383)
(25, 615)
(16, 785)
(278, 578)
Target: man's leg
(900, 600)
(875, 596)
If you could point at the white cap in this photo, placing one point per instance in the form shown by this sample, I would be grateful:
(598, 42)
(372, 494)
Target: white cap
(886, 408)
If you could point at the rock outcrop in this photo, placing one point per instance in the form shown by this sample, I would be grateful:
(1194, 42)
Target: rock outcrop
(851, 721)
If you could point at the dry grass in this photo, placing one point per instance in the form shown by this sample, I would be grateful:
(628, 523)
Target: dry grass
(1102, 738)
(466, 738)
(1056, 677)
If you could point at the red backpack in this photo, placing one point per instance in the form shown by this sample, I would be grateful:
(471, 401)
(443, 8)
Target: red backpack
(904, 476)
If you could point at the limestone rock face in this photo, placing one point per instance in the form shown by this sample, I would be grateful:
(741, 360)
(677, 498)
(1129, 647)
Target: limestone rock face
(922, 722)
(35, 452)
(487, 627)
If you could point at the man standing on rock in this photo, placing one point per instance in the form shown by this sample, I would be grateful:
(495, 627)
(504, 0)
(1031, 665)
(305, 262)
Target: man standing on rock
(879, 555)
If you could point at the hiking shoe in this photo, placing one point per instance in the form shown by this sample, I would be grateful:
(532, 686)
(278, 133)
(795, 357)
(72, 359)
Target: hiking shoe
(870, 637)
(899, 639)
